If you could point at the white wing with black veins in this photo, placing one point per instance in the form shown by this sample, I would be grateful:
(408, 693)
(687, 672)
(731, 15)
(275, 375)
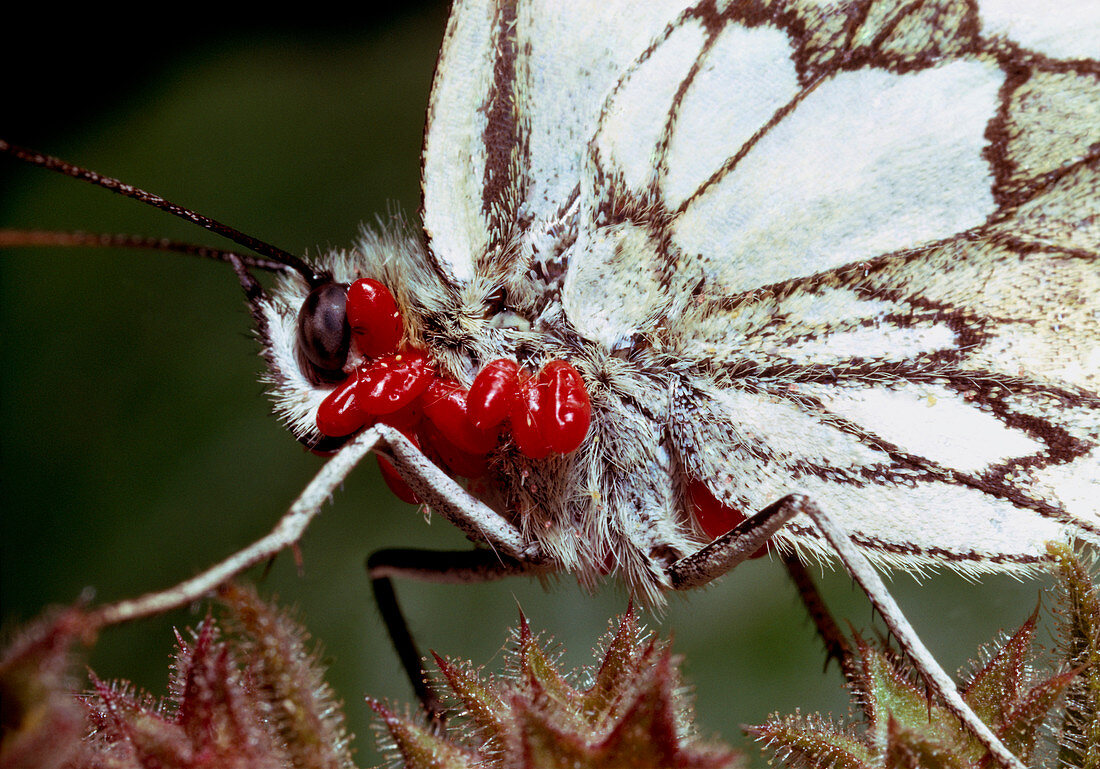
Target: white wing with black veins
(847, 249)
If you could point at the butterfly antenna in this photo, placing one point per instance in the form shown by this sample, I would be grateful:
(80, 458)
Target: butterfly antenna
(12, 237)
(312, 276)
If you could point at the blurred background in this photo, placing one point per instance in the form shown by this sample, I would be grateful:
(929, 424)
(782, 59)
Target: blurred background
(138, 447)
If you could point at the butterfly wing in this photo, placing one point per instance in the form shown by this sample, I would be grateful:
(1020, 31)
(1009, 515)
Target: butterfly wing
(513, 104)
(892, 268)
(860, 238)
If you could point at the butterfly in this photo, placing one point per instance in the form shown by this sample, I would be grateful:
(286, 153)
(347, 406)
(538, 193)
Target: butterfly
(787, 250)
(886, 357)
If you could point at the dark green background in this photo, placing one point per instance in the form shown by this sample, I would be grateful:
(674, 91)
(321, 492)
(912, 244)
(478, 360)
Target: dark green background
(138, 446)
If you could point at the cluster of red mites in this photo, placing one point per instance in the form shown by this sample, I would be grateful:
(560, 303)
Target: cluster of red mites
(547, 412)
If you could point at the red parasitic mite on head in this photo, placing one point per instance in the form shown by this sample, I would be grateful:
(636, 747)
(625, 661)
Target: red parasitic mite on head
(358, 330)
(373, 318)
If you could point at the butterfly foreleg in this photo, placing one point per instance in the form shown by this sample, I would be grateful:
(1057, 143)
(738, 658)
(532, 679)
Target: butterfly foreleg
(507, 552)
(471, 516)
(453, 567)
(440, 492)
(286, 534)
(729, 550)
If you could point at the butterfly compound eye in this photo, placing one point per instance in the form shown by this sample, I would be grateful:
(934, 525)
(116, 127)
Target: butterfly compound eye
(323, 332)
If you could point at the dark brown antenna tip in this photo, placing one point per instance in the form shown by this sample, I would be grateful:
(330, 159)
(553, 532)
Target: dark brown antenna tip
(312, 276)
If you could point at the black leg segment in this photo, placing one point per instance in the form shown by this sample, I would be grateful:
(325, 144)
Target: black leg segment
(456, 567)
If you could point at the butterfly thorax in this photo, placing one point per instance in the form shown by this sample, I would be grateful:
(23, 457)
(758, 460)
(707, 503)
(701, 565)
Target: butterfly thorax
(612, 504)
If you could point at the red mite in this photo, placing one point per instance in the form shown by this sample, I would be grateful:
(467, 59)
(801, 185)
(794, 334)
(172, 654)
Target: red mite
(714, 518)
(339, 413)
(493, 392)
(374, 319)
(458, 429)
(564, 411)
(445, 404)
(392, 382)
(542, 414)
(526, 429)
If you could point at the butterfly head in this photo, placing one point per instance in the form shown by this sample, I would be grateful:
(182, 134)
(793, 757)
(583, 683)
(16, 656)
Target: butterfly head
(385, 337)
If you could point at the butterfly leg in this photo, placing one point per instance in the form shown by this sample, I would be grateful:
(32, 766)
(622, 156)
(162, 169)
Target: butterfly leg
(508, 552)
(429, 482)
(737, 545)
(454, 567)
(286, 534)
(836, 645)
(443, 494)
